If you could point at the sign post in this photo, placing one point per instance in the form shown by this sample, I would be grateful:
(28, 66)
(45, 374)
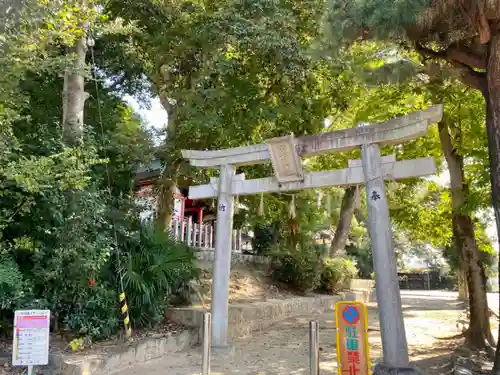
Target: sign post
(31, 338)
(353, 354)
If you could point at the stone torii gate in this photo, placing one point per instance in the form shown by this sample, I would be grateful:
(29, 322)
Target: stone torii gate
(285, 154)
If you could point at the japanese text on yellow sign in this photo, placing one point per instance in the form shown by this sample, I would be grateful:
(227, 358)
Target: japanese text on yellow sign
(353, 355)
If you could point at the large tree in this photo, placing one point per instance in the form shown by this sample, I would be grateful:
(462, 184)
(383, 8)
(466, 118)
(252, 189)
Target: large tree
(74, 94)
(366, 101)
(451, 218)
(452, 131)
(48, 253)
(228, 73)
(462, 33)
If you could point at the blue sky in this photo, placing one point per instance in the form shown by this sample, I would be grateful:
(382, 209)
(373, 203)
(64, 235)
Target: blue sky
(155, 116)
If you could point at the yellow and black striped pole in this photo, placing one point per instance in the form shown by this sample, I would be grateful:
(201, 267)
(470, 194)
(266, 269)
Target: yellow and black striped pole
(126, 317)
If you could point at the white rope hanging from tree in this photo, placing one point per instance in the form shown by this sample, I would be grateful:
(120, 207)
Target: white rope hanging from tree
(236, 208)
(291, 209)
(328, 203)
(319, 198)
(261, 205)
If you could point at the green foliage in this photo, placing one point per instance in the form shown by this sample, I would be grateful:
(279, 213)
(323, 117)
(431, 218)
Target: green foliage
(229, 73)
(120, 142)
(262, 240)
(299, 269)
(423, 210)
(362, 254)
(337, 273)
(94, 312)
(156, 272)
(57, 254)
(305, 269)
(80, 343)
(13, 291)
(57, 218)
(11, 283)
(232, 72)
(279, 227)
(383, 19)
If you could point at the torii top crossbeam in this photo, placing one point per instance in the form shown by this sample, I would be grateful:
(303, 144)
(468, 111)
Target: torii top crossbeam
(395, 131)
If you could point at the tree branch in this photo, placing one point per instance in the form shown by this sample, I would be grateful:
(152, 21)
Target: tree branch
(458, 58)
(471, 77)
(466, 56)
(427, 52)
(454, 52)
(474, 14)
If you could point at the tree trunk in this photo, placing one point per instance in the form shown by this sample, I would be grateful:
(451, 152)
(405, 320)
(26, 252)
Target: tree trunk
(168, 181)
(349, 205)
(492, 97)
(166, 193)
(463, 291)
(478, 334)
(74, 94)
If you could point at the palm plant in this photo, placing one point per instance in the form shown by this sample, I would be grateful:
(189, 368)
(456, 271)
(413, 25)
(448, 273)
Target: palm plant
(155, 268)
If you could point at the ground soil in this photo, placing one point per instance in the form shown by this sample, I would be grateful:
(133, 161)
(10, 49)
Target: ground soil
(247, 284)
(430, 319)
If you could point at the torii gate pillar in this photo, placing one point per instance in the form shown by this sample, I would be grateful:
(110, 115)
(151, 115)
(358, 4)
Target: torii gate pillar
(222, 264)
(392, 328)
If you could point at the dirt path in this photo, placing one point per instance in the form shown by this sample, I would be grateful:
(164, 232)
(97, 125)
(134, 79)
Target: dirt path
(283, 349)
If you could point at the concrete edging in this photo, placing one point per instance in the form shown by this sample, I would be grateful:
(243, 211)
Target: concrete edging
(208, 256)
(120, 357)
(244, 319)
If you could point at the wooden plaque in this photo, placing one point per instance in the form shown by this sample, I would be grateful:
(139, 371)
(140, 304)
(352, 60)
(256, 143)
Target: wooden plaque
(353, 353)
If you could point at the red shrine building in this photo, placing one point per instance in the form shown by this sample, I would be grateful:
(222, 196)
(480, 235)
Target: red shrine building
(200, 211)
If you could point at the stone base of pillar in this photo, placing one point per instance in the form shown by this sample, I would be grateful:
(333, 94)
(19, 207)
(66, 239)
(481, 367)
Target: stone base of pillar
(381, 369)
(223, 350)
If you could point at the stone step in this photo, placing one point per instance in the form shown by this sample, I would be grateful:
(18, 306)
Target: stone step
(245, 318)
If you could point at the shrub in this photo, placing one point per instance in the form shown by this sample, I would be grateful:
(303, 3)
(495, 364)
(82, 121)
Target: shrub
(363, 256)
(12, 291)
(11, 283)
(95, 312)
(337, 273)
(263, 239)
(156, 269)
(300, 269)
(59, 247)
